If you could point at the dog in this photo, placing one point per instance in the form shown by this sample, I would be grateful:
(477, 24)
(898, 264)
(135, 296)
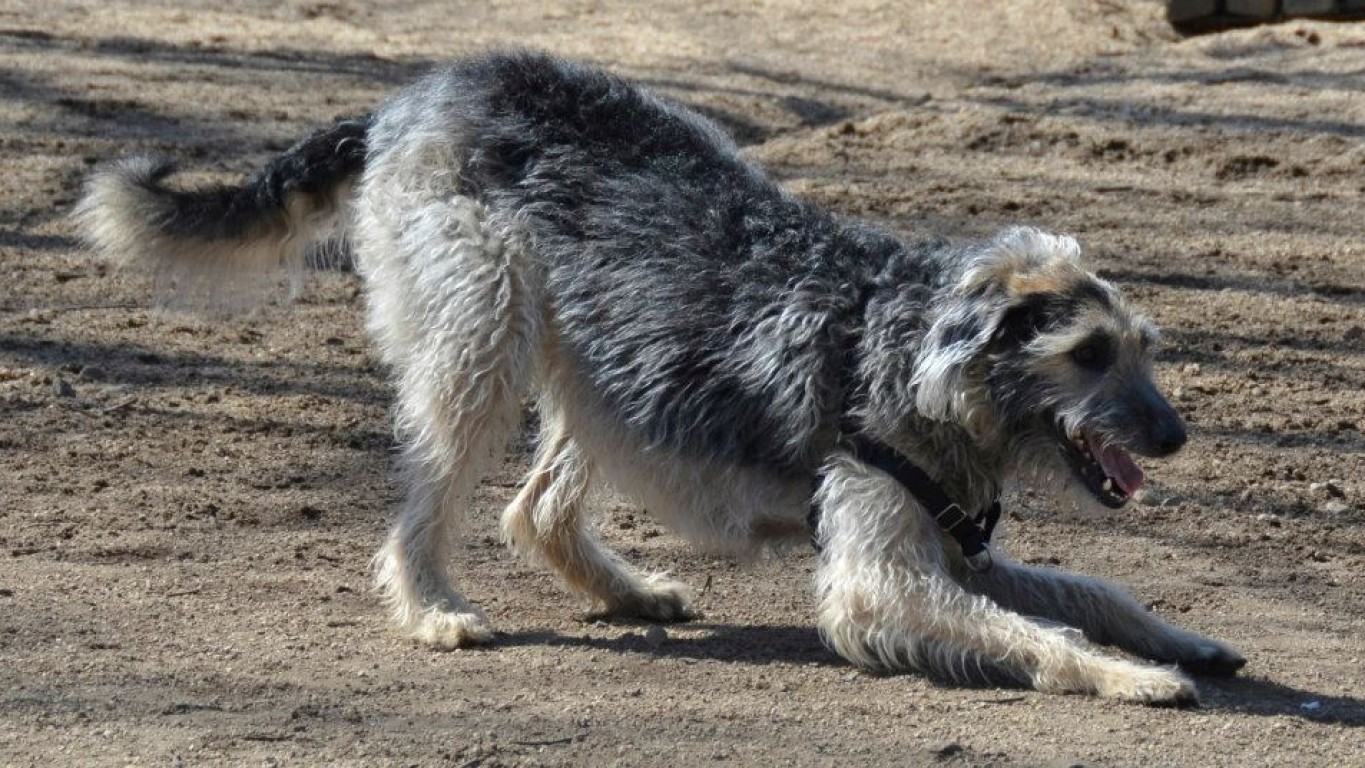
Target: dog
(753, 370)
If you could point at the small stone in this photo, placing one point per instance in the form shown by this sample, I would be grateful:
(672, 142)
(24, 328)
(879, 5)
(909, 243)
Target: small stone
(656, 636)
(61, 388)
(92, 373)
(1330, 488)
(946, 749)
(1335, 507)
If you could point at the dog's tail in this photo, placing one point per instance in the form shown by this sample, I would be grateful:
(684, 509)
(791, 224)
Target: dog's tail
(222, 246)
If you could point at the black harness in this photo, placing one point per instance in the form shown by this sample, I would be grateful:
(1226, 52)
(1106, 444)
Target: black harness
(971, 533)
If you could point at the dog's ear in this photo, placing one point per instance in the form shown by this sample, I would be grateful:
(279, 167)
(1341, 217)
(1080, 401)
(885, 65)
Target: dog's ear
(960, 333)
(998, 293)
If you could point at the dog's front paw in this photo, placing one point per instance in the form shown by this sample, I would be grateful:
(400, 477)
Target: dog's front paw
(1154, 686)
(448, 630)
(1209, 658)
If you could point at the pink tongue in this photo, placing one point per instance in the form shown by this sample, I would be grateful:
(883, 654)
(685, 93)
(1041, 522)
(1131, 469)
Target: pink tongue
(1119, 465)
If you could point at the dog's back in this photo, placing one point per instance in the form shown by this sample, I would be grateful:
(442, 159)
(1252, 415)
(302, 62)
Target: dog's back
(704, 304)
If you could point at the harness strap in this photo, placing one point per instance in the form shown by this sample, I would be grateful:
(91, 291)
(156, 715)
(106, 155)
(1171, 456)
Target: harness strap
(972, 536)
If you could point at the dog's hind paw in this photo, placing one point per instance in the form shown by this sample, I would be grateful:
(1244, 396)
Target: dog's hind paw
(659, 599)
(448, 630)
(1154, 686)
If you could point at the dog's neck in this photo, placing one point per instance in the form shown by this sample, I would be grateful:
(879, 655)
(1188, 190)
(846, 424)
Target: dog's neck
(971, 474)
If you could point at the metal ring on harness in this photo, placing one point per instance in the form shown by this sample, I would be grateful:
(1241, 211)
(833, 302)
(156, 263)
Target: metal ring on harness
(981, 562)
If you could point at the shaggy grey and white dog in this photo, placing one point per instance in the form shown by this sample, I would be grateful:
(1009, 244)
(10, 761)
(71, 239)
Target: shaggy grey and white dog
(709, 345)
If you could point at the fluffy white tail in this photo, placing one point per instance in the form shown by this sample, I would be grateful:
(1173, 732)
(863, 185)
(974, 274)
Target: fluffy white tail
(225, 246)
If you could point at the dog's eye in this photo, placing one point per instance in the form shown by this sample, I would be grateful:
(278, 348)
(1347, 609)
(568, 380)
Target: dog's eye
(1091, 355)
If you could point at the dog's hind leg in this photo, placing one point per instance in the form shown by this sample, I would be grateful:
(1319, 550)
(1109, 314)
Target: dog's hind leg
(456, 313)
(545, 523)
(887, 600)
(1106, 614)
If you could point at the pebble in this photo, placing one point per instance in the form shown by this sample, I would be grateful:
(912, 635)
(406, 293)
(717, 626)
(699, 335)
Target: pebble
(92, 373)
(946, 748)
(656, 635)
(1335, 507)
(61, 388)
(1329, 488)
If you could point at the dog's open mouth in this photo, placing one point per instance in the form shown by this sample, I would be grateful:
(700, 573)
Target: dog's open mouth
(1107, 471)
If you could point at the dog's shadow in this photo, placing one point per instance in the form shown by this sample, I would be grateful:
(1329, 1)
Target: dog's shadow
(801, 645)
(1268, 698)
(718, 642)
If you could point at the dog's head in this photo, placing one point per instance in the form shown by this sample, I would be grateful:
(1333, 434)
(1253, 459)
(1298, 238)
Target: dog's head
(1029, 349)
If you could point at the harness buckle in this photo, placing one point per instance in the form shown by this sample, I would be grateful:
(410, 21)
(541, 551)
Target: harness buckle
(944, 519)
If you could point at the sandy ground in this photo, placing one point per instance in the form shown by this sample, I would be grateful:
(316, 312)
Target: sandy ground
(188, 506)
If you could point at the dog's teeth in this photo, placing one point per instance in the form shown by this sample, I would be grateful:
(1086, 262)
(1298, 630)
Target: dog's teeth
(1108, 484)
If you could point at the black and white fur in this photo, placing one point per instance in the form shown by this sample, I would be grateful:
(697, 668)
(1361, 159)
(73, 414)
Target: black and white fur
(699, 339)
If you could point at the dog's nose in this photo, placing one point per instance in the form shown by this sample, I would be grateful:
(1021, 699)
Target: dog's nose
(1168, 435)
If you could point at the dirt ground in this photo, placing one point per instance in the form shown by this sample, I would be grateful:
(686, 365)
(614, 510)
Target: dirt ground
(188, 506)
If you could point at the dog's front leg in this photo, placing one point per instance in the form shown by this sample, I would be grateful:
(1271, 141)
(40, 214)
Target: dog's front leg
(1106, 613)
(887, 601)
